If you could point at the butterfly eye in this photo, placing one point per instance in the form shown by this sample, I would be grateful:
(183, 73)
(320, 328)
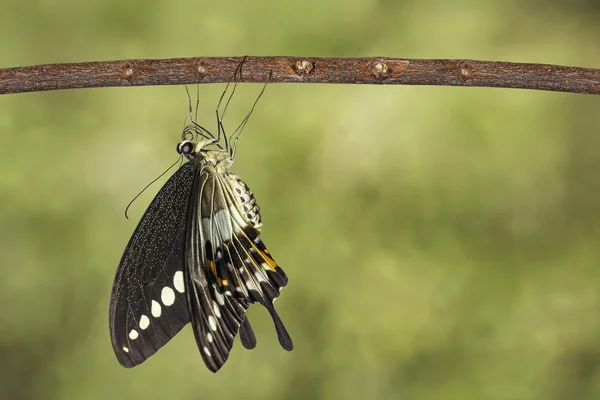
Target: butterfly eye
(186, 147)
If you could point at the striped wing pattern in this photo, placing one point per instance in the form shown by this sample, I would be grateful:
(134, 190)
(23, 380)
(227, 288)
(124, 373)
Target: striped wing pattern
(228, 268)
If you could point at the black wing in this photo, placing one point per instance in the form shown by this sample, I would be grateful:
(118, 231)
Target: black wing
(148, 305)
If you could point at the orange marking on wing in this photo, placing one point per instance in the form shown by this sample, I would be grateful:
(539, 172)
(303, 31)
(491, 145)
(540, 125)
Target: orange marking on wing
(223, 282)
(265, 255)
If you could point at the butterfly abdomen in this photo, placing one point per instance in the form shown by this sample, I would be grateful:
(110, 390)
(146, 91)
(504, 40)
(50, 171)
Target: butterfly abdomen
(245, 201)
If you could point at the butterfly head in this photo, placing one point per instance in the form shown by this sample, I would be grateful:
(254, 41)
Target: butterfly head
(187, 148)
(202, 152)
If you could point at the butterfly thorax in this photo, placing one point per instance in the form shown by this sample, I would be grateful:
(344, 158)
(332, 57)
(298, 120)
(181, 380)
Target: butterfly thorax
(215, 163)
(219, 159)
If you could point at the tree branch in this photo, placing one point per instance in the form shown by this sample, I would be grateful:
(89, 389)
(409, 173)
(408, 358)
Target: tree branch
(376, 70)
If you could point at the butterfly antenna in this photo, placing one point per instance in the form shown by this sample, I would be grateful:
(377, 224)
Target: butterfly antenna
(184, 123)
(196, 130)
(202, 131)
(199, 129)
(148, 185)
(242, 124)
(228, 83)
(225, 137)
(238, 71)
(189, 103)
(217, 110)
(197, 100)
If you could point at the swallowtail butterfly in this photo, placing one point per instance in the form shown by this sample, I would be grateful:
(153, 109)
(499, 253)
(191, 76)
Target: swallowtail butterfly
(196, 256)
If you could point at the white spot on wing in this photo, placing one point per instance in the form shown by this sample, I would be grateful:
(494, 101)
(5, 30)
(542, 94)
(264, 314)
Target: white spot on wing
(237, 217)
(216, 309)
(218, 228)
(155, 309)
(219, 297)
(251, 285)
(209, 337)
(260, 277)
(178, 282)
(167, 296)
(133, 334)
(207, 351)
(144, 322)
(125, 349)
(212, 322)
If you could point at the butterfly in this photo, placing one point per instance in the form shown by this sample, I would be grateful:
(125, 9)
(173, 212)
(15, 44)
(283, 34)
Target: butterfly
(196, 257)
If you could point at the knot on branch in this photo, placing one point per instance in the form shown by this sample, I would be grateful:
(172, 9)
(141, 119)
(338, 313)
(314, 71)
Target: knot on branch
(304, 67)
(464, 70)
(128, 71)
(380, 70)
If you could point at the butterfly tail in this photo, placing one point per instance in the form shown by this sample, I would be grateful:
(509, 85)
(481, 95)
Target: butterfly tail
(247, 335)
(282, 334)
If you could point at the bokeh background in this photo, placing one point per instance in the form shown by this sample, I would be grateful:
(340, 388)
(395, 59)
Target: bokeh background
(441, 243)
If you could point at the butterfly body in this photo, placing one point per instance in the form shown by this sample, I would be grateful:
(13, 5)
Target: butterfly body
(196, 256)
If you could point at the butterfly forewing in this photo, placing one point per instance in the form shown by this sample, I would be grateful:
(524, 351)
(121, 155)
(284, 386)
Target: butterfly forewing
(148, 302)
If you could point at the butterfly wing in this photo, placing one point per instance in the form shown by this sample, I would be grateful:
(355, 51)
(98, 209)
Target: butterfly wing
(259, 274)
(229, 268)
(148, 305)
(255, 270)
(216, 316)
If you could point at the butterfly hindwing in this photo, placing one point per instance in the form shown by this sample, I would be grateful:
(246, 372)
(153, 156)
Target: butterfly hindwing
(262, 277)
(228, 269)
(247, 336)
(216, 316)
(148, 305)
(256, 276)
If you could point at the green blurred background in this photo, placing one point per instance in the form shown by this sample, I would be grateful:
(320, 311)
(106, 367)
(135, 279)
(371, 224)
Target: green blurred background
(441, 243)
